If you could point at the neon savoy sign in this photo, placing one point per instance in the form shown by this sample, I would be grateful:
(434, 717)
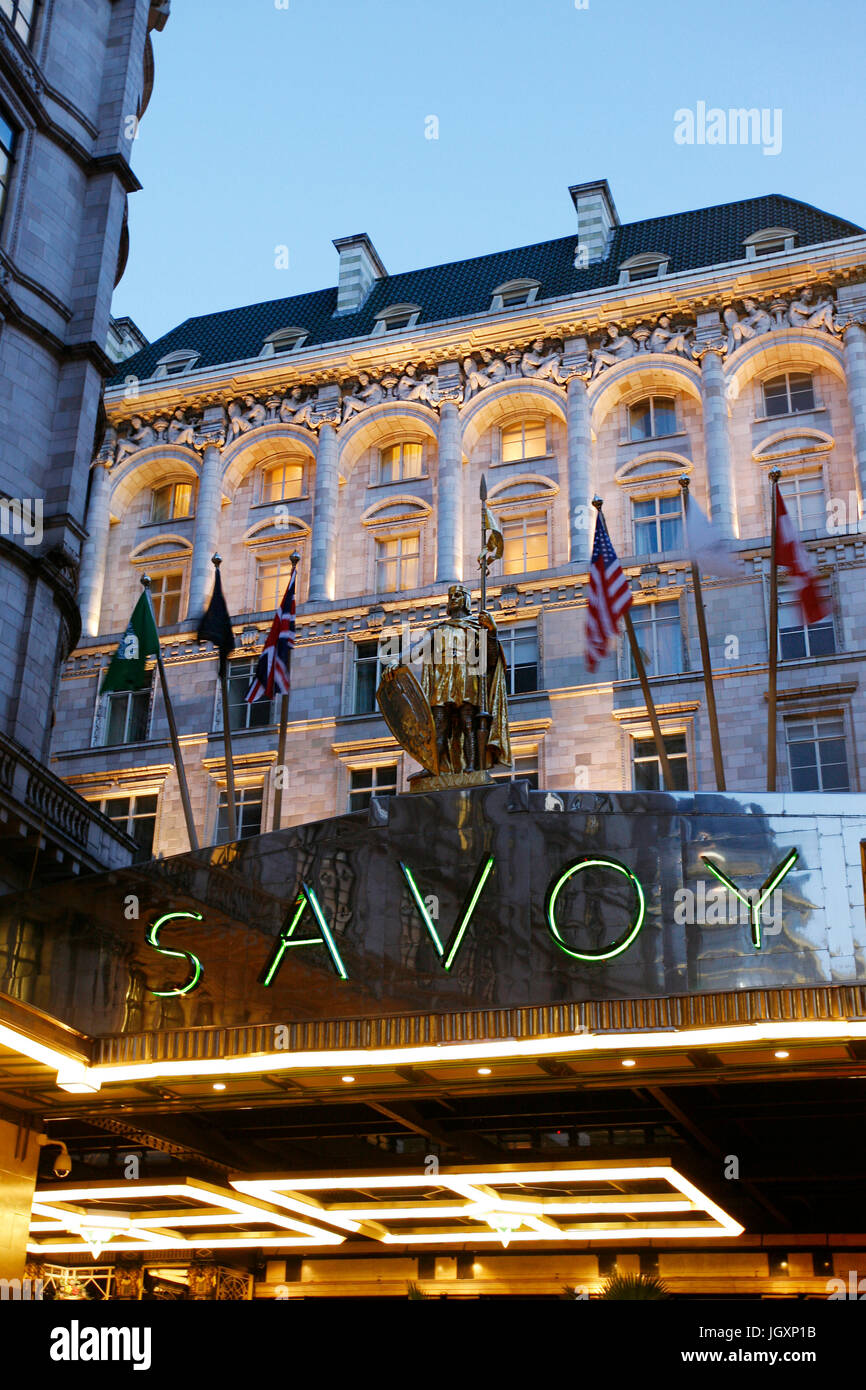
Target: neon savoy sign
(307, 905)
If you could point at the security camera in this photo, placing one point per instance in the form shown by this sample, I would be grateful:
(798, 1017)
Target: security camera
(62, 1165)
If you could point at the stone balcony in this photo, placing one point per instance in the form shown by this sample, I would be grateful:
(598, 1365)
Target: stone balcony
(48, 831)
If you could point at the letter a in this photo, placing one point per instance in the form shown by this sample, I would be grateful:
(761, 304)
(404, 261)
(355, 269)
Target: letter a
(306, 899)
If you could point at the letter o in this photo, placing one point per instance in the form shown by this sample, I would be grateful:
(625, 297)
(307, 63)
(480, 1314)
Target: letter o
(623, 942)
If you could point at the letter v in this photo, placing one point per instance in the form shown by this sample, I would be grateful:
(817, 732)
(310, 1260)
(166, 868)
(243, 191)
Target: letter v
(306, 899)
(755, 904)
(448, 952)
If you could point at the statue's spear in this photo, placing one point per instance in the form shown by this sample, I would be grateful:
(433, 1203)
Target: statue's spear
(491, 545)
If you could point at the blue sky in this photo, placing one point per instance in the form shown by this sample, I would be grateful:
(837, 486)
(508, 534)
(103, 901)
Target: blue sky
(290, 122)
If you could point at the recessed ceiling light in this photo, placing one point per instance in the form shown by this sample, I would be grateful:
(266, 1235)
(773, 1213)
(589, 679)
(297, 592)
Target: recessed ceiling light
(219, 1085)
(781, 1054)
(485, 1071)
(347, 1079)
(629, 1062)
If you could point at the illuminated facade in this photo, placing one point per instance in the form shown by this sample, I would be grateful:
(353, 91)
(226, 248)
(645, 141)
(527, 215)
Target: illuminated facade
(497, 1041)
(353, 425)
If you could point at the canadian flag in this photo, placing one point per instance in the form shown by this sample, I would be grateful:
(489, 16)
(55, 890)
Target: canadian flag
(793, 556)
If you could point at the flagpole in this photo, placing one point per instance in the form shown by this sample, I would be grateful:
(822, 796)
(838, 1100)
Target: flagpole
(284, 723)
(172, 729)
(637, 657)
(712, 714)
(773, 636)
(483, 719)
(216, 561)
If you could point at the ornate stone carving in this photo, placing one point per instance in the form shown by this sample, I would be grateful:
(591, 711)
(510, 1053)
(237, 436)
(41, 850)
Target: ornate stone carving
(665, 338)
(297, 409)
(367, 394)
(411, 387)
(803, 311)
(180, 429)
(618, 348)
(138, 436)
(240, 420)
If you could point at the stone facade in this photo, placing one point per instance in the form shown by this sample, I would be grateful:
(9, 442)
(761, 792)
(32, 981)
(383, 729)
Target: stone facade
(73, 85)
(720, 374)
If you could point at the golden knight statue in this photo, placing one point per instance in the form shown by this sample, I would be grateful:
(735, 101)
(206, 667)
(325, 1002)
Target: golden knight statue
(455, 721)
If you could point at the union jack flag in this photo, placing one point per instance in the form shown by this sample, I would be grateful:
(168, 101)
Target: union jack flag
(609, 595)
(275, 663)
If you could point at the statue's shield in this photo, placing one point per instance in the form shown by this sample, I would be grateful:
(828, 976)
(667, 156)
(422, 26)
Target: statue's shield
(406, 710)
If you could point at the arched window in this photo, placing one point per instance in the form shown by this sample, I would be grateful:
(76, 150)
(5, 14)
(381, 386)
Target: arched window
(650, 265)
(652, 417)
(284, 340)
(283, 481)
(402, 460)
(790, 393)
(176, 363)
(770, 241)
(524, 439)
(514, 294)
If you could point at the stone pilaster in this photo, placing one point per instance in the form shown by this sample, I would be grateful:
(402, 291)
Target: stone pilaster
(323, 558)
(717, 442)
(576, 368)
(851, 304)
(449, 490)
(210, 438)
(94, 554)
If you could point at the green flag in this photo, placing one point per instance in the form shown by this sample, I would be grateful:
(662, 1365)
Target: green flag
(141, 640)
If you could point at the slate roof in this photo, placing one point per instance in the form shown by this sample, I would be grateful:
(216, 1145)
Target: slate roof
(701, 238)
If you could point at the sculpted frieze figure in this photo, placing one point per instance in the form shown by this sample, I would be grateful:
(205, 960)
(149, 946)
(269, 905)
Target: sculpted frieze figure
(180, 431)
(494, 368)
(663, 338)
(368, 394)
(474, 380)
(411, 387)
(296, 409)
(139, 436)
(544, 367)
(618, 348)
(242, 420)
(803, 313)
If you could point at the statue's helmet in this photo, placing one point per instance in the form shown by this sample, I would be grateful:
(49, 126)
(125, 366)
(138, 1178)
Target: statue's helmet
(459, 597)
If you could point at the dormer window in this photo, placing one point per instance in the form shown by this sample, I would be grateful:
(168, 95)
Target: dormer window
(770, 241)
(651, 265)
(284, 340)
(397, 317)
(514, 294)
(176, 363)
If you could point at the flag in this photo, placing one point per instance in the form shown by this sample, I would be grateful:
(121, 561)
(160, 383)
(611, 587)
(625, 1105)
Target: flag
(793, 556)
(216, 625)
(706, 547)
(272, 672)
(141, 640)
(494, 543)
(609, 595)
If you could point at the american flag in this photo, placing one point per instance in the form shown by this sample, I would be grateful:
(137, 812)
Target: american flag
(609, 595)
(793, 556)
(272, 672)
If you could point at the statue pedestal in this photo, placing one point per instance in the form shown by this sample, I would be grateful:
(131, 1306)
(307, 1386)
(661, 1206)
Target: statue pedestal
(446, 781)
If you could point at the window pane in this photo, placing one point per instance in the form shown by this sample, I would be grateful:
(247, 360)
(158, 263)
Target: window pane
(512, 443)
(640, 420)
(366, 677)
(161, 505)
(182, 499)
(389, 464)
(802, 394)
(672, 534)
(534, 439)
(139, 703)
(412, 456)
(665, 416)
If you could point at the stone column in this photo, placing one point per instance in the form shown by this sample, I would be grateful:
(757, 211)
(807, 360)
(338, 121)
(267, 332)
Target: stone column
(94, 554)
(323, 559)
(207, 521)
(449, 491)
(575, 370)
(855, 372)
(717, 443)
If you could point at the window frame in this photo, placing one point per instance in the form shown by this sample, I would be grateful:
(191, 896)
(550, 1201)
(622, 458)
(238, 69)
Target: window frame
(29, 25)
(652, 398)
(157, 595)
(267, 706)
(241, 794)
(786, 590)
(374, 767)
(639, 525)
(400, 534)
(9, 155)
(815, 717)
(271, 466)
(401, 476)
(643, 736)
(521, 422)
(790, 412)
(521, 752)
(520, 516)
(509, 635)
(173, 484)
(356, 664)
(113, 698)
(651, 627)
(124, 794)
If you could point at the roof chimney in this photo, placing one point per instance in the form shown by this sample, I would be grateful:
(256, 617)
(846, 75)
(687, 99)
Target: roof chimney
(359, 267)
(596, 218)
